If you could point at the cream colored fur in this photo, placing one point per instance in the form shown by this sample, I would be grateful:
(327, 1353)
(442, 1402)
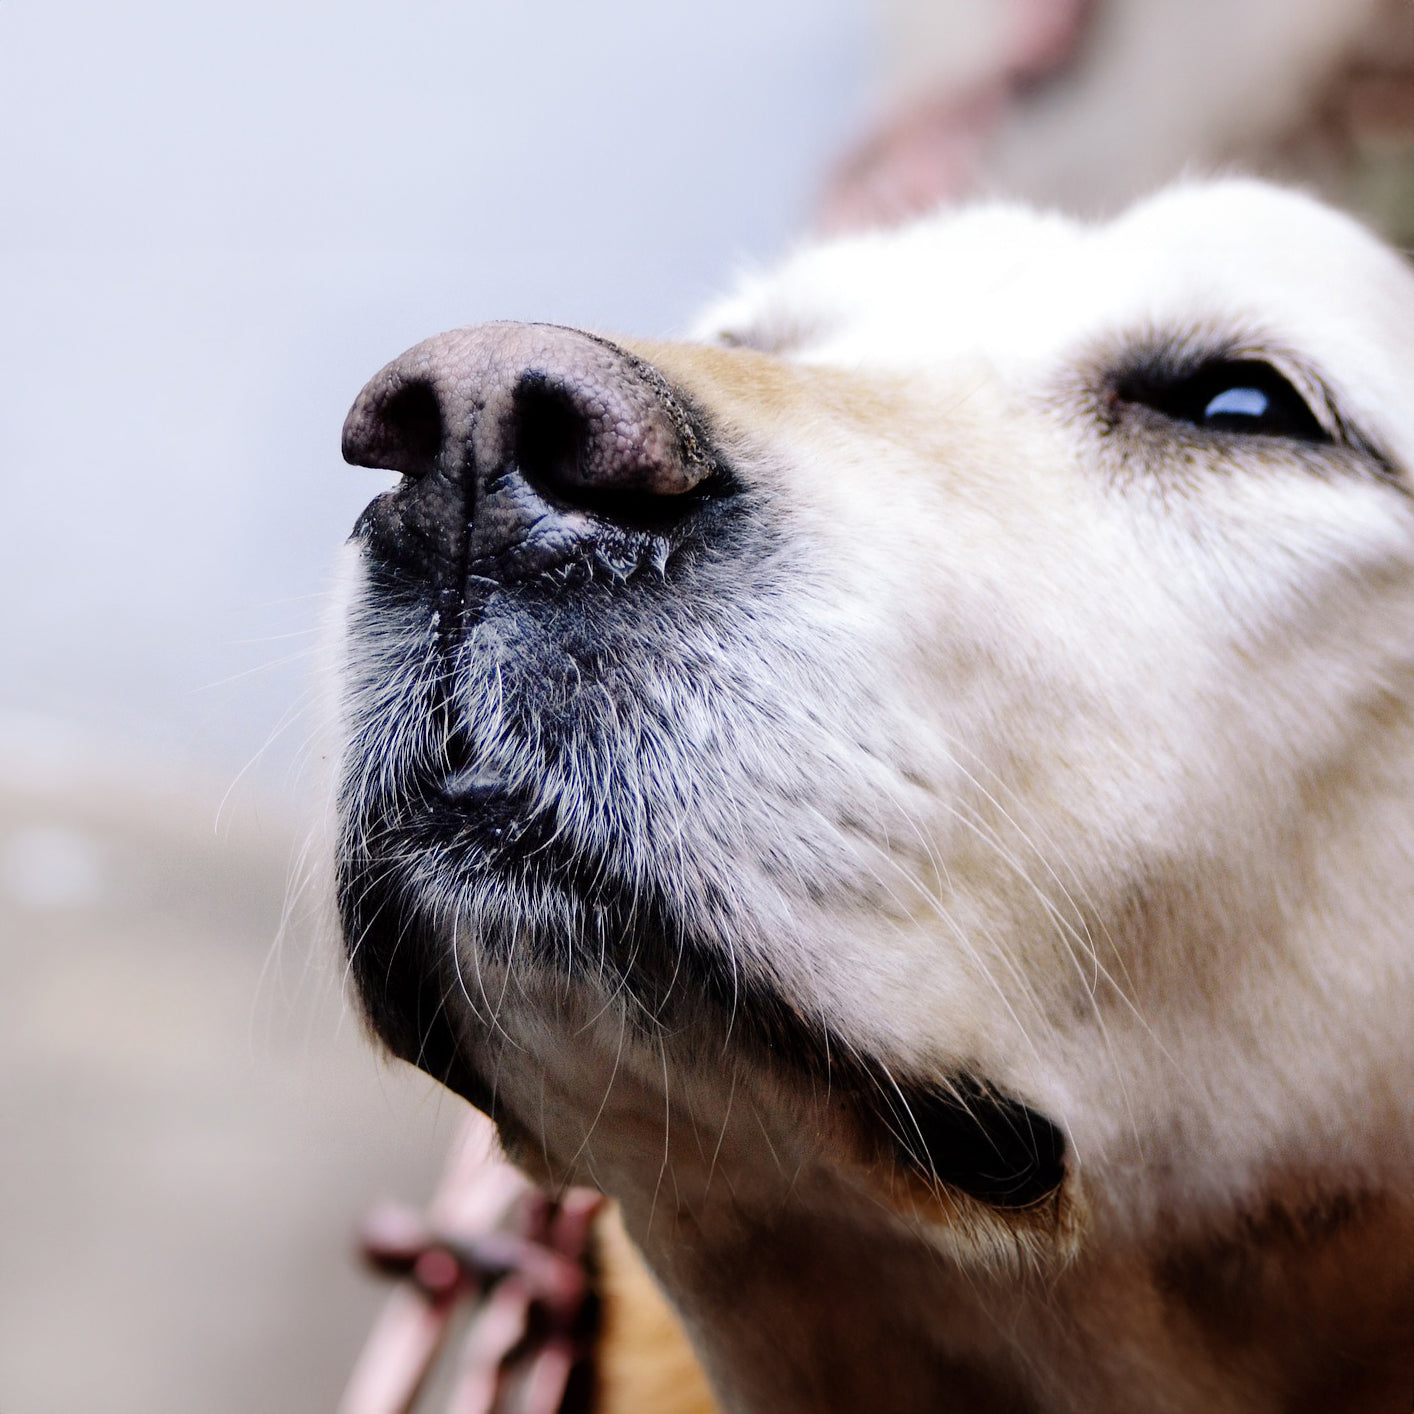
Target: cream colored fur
(1106, 733)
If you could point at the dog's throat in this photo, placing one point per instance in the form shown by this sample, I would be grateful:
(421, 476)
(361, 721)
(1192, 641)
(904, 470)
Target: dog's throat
(967, 1136)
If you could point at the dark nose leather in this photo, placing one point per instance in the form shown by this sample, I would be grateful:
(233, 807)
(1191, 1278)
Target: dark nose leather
(519, 443)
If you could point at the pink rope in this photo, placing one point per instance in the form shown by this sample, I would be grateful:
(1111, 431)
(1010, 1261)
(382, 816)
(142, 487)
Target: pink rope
(493, 1242)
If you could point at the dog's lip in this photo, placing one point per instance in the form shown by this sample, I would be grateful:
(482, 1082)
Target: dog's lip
(483, 808)
(469, 785)
(972, 1137)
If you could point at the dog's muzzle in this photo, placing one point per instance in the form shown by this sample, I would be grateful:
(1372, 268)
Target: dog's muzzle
(526, 720)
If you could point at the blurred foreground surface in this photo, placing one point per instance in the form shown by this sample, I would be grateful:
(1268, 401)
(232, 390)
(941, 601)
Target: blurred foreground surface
(193, 1122)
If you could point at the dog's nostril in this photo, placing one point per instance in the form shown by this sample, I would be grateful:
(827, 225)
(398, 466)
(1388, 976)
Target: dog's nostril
(413, 418)
(401, 429)
(549, 438)
(602, 449)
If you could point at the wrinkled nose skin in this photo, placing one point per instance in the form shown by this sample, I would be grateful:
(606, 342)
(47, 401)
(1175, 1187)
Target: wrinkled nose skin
(523, 447)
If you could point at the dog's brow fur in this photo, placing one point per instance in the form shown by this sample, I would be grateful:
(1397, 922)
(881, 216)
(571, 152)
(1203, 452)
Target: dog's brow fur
(956, 896)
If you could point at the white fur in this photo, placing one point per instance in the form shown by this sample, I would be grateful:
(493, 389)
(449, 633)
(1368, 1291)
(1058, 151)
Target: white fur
(1176, 660)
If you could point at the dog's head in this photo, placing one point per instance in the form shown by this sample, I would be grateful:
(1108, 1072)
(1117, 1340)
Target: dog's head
(940, 734)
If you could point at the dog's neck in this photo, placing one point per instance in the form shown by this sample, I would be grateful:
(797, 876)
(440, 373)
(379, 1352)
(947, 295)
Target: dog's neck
(808, 1313)
(843, 1312)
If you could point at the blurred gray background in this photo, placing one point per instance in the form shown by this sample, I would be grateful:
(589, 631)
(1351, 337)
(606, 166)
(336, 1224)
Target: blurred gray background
(216, 221)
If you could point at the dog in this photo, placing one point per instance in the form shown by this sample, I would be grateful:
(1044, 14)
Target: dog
(910, 791)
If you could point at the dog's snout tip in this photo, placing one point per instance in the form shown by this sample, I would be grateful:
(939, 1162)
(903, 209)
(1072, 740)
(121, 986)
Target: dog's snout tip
(531, 442)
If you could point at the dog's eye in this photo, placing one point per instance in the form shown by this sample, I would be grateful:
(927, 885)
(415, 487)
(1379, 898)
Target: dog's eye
(1240, 395)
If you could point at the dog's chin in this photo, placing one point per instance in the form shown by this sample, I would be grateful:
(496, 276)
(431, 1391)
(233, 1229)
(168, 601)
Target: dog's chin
(477, 866)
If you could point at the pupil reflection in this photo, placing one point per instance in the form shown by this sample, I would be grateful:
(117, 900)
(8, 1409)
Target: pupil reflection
(1238, 402)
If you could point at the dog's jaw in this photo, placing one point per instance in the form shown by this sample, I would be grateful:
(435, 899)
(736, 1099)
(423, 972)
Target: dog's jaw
(789, 1251)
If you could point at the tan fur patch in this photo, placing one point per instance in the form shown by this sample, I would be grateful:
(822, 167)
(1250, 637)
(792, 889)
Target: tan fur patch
(643, 1362)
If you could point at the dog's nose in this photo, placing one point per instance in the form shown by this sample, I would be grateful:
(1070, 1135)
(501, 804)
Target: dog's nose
(518, 441)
